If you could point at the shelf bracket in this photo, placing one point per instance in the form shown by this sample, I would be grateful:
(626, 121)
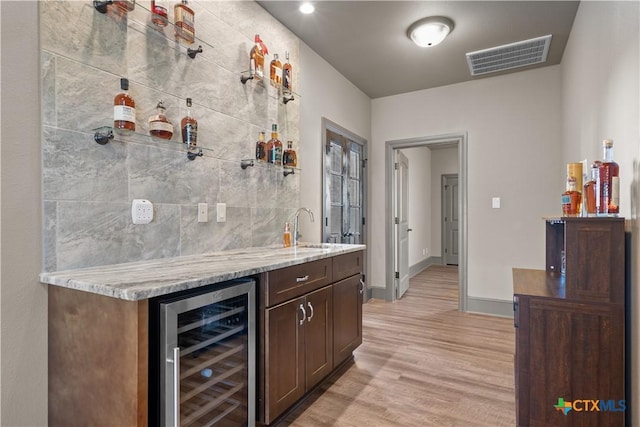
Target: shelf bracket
(288, 171)
(101, 5)
(193, 52)
(246, 163)
(286, 97)
(244, 79)
(191, 155)
(102, 137)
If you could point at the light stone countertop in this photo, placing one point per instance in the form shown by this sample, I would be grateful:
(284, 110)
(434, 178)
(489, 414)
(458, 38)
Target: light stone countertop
(140, 280)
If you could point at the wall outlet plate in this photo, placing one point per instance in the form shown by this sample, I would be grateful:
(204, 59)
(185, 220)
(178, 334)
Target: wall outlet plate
(141, 211)
(221, 210)
(203, 212)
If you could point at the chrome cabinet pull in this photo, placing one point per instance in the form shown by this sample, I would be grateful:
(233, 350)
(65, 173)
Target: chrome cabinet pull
(302, 279)
(304, 314)
(311, 315)
(176, 386)
(361, 286)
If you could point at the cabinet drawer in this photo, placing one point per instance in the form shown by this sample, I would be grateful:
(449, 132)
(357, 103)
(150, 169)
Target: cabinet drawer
(347, 265)
(291, 282)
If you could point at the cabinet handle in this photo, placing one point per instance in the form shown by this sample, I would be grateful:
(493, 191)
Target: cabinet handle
(361, 286)
(302, 279)
(311, 315)
(515, 313)
(304, 314)
(176, 386)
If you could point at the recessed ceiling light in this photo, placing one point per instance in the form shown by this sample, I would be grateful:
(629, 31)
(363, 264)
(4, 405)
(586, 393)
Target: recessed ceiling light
(430, 31)
(306, 8)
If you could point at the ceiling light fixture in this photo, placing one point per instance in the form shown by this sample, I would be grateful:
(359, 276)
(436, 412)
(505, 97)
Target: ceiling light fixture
(306, 8)
(428, 32)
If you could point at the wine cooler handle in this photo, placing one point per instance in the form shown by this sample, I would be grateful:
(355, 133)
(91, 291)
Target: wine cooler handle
(304, 314)
(302, 279)
(311, 315)
(176, 386)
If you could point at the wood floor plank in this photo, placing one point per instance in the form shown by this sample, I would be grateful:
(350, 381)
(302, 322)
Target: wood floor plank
(421, 363)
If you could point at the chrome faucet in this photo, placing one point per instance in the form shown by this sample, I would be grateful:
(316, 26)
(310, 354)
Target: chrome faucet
(295, 224)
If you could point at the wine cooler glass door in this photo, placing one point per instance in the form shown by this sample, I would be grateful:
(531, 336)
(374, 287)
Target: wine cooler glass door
(209, 350)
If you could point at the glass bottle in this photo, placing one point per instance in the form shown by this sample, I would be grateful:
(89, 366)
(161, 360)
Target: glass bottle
(159, 124)
(124, 109)
(609, 182)
(256, 59)
(189, 127)
(289, 157)
(275, 71)
(590, 192)
(261, 148)
(274, 147)
(159, 14)
(571, 199)
(286, 235)
(287, 74)
(125, 5)
(184, 22)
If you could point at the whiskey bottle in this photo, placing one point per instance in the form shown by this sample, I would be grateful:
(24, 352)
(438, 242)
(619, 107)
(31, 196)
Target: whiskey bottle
(289, 157)
(609, 182)
(189, 127)
(274, 147)
(125, 5)
(159, 14)
(184, 22)
(275, 72)
(261, 148)
(159, 125)
(571, 199)
(124, 109)
(256, 59)
(287, 74)
(590, 192)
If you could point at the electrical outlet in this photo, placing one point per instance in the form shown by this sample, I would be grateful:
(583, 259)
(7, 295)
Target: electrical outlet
(141, 211)
(495, 202)
(203, 212)
(221, 209)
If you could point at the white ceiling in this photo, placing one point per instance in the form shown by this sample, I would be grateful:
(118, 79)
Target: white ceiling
(366, 40)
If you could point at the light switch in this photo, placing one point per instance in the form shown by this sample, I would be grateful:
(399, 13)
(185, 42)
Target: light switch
(203, 212)
(495, 203)
(222, 212)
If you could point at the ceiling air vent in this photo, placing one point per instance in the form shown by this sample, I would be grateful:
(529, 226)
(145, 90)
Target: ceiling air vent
(512, 55)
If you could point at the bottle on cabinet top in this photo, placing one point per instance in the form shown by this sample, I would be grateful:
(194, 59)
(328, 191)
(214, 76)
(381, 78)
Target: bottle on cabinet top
(609, 182)
(289, 157)
(571, 199)
(590, 192)
(159, 124)
(124, 109)
(275, 72)
(184, 22)
(287, 74)
(261, 148)
(256, 58)
(189, 127)
(274, 147)
(159, 14)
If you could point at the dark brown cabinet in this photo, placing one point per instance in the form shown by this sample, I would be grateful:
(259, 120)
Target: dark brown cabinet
(347, 318)
(570, 327)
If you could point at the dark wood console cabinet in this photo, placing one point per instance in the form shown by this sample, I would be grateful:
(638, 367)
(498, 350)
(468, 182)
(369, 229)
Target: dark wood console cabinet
(570, 326)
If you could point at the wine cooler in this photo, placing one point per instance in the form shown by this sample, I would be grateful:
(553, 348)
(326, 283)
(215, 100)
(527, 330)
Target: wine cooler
(204, 357)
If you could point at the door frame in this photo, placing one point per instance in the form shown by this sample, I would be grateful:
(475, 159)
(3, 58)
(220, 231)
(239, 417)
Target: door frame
(443, 241)
(454, 139)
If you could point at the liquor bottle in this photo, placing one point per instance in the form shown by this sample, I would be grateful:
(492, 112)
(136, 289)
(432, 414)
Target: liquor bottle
(571, 199)
(275, 72)
(274, 147)
(124, 109)
(256, 59)
(590, 192)
(286, 235)
(287, 74)
(159, 125)
(289, 157)
(261, 148)
(189, 127)
(159, 14)
(184, 22)
(609, 182)
(125, 5)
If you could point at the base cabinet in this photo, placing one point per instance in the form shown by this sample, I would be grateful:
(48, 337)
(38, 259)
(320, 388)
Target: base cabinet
(347, 317)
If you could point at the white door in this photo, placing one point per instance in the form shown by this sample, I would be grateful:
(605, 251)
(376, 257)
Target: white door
(450, 219)
(402, 224)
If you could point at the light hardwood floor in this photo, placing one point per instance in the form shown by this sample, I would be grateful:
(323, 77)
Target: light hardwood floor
(421, 363)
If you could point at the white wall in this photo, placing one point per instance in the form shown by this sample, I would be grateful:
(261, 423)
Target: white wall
(443, 161)
(420, 214)
(513, 127)
(23, 369)
(601, 93)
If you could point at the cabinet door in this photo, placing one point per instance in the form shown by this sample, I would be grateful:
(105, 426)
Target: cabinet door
(318, 336)
(284, 370)
(571, 351)
(347, 318)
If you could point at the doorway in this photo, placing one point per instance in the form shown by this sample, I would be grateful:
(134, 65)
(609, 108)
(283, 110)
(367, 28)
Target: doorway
(458, 140)
(450, 220)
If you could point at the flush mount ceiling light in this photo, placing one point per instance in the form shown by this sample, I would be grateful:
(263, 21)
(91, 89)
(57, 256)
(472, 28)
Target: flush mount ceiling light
(430, 31)
(306, 8)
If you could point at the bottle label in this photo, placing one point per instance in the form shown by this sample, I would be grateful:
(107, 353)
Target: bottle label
(124, 113)
(252, 66)
(566, 200)
(286, 79)
(185, 18)
(161, 126)
(190, 135)
(615, 191)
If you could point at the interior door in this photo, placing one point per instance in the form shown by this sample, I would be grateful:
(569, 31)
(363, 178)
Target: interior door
(450, 219)
(402, 223)
(344, 189)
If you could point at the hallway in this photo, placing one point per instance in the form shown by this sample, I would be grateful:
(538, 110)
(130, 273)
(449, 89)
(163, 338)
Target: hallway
(422, 363)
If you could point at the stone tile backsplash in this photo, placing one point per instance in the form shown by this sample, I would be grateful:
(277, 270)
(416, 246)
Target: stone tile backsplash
(88, 188)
